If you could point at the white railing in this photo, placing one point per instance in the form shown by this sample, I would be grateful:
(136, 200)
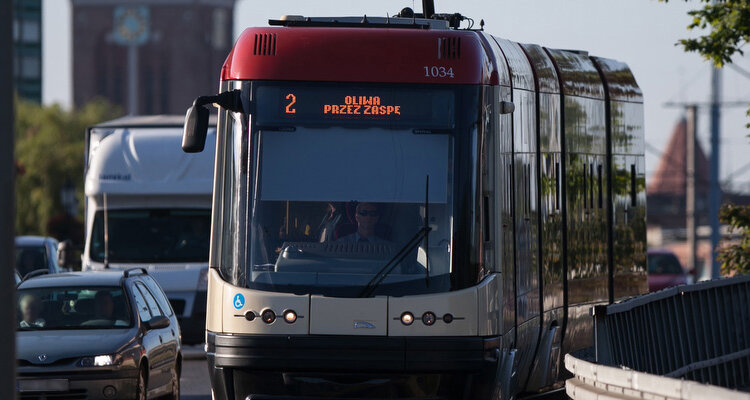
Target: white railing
(592, 381)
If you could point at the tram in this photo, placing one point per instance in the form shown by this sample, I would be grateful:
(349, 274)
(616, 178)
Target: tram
(407, 209)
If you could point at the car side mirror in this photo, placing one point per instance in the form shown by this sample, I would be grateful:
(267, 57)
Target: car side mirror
(159, 322)
(196, 129)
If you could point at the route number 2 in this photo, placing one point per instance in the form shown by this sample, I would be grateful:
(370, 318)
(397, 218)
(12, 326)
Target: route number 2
(438, 72)
(292, 99)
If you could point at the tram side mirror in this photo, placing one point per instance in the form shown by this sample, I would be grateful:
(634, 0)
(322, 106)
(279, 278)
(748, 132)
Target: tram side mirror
(195, 130)
(507, 107)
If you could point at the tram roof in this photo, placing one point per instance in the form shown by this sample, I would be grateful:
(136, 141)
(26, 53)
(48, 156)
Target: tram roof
(347, 54)
(338, 50)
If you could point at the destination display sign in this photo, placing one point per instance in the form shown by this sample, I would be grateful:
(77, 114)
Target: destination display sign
(311, 105)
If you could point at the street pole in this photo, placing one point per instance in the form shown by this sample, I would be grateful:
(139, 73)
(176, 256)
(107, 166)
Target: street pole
(7, 215)
(132, 79)
(692, 123)
(714, 192)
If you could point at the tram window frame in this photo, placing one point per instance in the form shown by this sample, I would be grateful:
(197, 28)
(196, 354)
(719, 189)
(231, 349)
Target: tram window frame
(632, 185)
(601, 192)
(557, 185)
(591, 185)
(237, 248)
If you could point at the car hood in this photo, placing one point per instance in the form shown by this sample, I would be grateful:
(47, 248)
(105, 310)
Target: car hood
(63, 344)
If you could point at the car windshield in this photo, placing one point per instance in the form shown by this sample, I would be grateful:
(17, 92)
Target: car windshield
(664, 264)
(55, 308)
(153, 235)
(30, 258)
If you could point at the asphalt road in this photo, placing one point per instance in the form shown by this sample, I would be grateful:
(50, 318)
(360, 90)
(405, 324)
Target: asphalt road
(194, 383)
(196, 386)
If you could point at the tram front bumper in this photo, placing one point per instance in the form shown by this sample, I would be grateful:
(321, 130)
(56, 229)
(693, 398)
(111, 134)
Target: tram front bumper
(350, 366)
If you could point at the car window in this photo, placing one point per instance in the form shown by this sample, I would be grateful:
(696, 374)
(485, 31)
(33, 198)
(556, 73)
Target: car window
(30, 258)
(664, 264)
(152, 304)
(141, 304)
(53, 257)
(155, 289)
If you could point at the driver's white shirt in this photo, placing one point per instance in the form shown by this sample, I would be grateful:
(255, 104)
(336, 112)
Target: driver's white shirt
(38, 323)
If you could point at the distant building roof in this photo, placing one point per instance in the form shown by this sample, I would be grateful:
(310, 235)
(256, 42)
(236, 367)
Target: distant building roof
(670, 178)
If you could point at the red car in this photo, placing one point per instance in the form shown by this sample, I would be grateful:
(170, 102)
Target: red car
(664, 270)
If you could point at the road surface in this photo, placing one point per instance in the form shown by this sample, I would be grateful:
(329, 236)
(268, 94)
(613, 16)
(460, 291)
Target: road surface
(194, 383)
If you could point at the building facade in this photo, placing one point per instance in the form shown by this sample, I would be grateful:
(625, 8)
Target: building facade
(27, 49)
(149, 56)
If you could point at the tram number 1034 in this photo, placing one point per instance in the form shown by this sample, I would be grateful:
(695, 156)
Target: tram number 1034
(438, 72)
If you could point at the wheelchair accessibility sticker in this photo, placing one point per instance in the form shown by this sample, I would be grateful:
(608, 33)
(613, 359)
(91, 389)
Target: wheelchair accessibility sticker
(239, 301)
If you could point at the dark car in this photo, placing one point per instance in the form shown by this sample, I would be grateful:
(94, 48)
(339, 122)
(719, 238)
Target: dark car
(35, 253)
(664, 270)
(96, 335)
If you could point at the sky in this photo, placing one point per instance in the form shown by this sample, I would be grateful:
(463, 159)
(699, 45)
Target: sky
(642, 33)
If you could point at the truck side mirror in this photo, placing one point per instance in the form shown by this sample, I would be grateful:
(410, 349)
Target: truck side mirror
(196, 129)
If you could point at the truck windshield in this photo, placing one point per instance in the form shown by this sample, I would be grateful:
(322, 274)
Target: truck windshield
(334, 205)
(152, 235)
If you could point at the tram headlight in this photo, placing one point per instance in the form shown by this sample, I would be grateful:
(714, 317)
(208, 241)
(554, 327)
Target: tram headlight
(249, 315)
(448, 318)
(428, 318)
(268, 316)
(407, 318)
(290, 316)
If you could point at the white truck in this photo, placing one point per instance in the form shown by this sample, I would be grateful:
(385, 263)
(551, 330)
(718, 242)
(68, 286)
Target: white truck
(148, 204)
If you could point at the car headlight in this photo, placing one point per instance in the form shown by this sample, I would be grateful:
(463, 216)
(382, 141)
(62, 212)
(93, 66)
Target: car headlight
(203, 280)
(97, 361)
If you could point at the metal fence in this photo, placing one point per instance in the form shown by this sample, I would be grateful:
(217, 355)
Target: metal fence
(699, 332)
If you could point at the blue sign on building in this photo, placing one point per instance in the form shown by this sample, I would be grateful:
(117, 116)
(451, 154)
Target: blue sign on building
(131, 25)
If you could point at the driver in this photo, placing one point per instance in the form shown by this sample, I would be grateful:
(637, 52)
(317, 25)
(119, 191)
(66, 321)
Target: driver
(30, 311)
(104, 306)
(367, 216)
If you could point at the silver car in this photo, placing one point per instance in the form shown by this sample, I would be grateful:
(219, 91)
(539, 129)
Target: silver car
(35, 253)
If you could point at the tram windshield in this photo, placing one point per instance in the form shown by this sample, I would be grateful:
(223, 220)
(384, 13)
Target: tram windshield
(336, 203)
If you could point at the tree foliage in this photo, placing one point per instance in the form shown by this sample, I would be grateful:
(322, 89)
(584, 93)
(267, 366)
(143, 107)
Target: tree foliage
(735, 256)
(49, 145)
(728, 29)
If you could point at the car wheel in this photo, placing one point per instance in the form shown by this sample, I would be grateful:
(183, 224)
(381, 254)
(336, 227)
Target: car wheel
(175, 384)
(141, 392)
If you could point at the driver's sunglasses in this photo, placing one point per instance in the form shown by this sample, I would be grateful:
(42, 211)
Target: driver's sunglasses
(369, 213)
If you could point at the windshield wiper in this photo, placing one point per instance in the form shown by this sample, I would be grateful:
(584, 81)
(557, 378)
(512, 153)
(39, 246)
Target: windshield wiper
(401, 254)
(393, 262)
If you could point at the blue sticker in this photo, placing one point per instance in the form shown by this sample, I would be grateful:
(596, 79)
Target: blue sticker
(239, 301)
